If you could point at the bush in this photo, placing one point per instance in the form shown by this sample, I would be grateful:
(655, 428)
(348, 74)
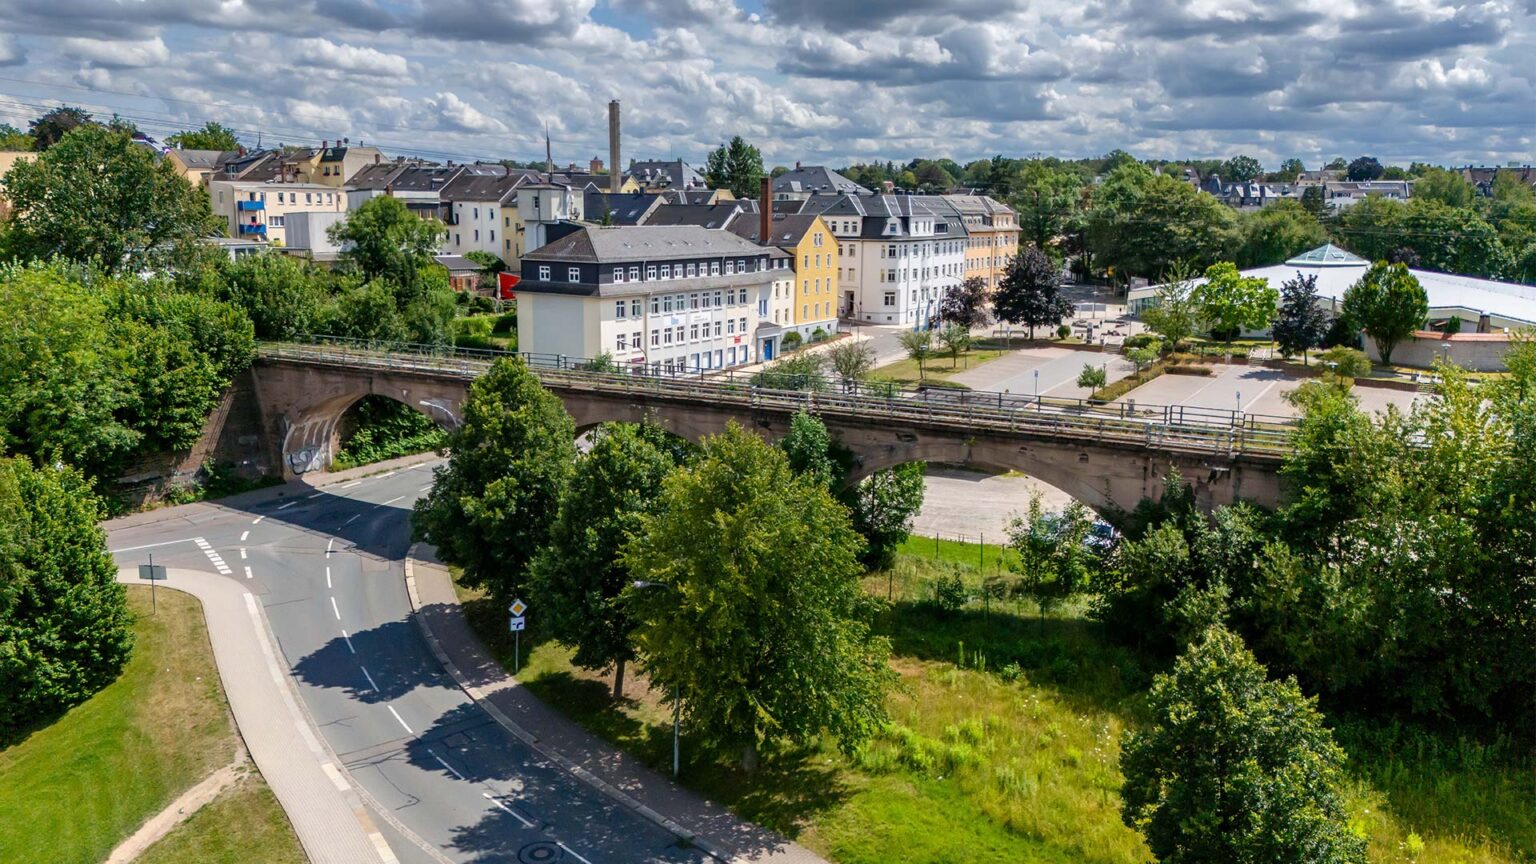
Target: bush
(818, 335)
(1144, 340)
(949, 593)
(1063, 331)
(1346, 362)
(505, 323)
(792, 340)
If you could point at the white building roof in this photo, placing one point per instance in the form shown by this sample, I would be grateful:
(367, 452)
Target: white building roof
(1337, 269)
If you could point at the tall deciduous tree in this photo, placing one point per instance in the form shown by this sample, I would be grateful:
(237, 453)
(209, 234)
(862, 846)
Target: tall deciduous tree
(955, 340)
(737, 166)
(966, 304)
(809, 448)
(1389, 303)
(1235, 767)
(51, 128)
(97, 196)
(883, 506)
(64, 620)
(1053, 560)
(381, 239)
(1300, 324)
(1229, 302)
(852, 360)
(213, 136)
(1277, 232)
(491, 506)
(285, 296)
(918, 345)
(1447, 187)
(401, 291)
(761, 629)
(577, 579)
(1047, 200)
(1141, 223)
(1364, 168)
(1030, 292)
(1241, 169)
(1174, 315)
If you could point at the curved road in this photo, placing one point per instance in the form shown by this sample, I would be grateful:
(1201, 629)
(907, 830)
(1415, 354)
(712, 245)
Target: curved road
(450, 783)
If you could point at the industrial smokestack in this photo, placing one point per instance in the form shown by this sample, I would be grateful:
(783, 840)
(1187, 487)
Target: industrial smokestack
(614, 179)
(765, 218)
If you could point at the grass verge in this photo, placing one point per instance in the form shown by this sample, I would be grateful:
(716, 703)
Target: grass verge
(244, 824)
(72, 790)
(1004, 745)
(939, 367)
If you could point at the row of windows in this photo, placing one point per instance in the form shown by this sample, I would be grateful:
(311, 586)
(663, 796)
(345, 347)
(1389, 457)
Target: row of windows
(687, 271)
(898, 250)
(717, 359)
(821, 310)
(901, 275)
(995, 240)
(890, 296)
(458, 242)
(690, 332)
(490, 213)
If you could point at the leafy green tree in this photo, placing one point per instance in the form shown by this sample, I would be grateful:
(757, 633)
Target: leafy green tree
(213, 136)
(1388, 303)
(1047, 200)
(1053, 559)
(492, 505)
(51, 128)
(1313, 202)
(577, 579)
(1092, 377)
(1447, 187)
(804, 372)
(883, 506)
(761, 630)
(1235, 767)
(97, 196)
(852, 361)
(1241, 169)
(13, 139)
(1300, 324)
(1452, 240)
(1289, 170)
(1364, 168)
(284, 296)
(1174, 314)
(1278, 232)
(383, 240)
(809, 448)
(64, 620)
(1030, 292)
(737, 166)
(956, 340)
(1372, 228)
(1229, 302)
(1140, 223)
(966, 304)
(918, 345)
(388, 249)
(932, 176)
(1141, 357)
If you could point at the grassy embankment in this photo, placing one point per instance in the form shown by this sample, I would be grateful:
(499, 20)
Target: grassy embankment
(72, 790)
(938, 368)
(1004, 745)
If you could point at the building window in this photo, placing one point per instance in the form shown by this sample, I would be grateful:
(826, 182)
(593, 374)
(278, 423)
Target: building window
(890, 298)
(619, 308)
(622, 343)
(573, 274)
(714, 268)
(762, 308)
(634, 274)
(693, 332)
(650, 272)
(477, 235)
(666, 303)
(693, 301)
(543, 273)
(693, 270)
(493, 235)
(730, 326)
(634, 312)
(666, 271)
(743, 325)
(816, 241)
(635, 339)
(731, 356)
(730, 267)
(717, 328)
(668, 333)
(655, 338)
(618, 274)
(742, 297)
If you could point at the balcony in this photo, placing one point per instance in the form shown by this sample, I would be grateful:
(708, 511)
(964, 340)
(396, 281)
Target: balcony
(250, 205)
(253, 229)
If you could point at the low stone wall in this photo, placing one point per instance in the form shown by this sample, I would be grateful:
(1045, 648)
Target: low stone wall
(1478, 352)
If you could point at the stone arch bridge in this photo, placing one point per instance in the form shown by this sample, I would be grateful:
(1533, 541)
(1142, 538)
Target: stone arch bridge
(1103, 456)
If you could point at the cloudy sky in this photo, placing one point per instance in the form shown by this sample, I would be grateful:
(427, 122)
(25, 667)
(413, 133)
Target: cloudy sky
(815, 80)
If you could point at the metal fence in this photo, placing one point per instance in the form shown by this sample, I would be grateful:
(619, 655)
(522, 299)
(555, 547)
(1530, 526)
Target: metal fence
(1164, 427)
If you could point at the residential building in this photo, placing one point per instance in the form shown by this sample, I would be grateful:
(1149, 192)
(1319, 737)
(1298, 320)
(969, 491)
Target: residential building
(803, 182)
(333, 164)
(547, 212)
(674, 174)
(198, 165)
(258, 209)
(306, 234)
(814, 258)
(418, 185)
(479, 211)
(626, 208)
(1346, 193)
(1481, 176)
(992, 230)
(658, 299)
(463, 274)
(898, 254)
(1482, 305)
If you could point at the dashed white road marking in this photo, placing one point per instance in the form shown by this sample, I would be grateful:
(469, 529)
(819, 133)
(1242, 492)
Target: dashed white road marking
(243, 535)
(348, 640)
(520, 817)
(572, 852)
(257, 520)
(242, 553)
(353, 519)
(328, 545)
(425, 489)
(371, 685)
(402, 720)
(353, 483)
(152, 545)
(336, 779)
(385, 474)
(327, 577)
(316, 495)
(334, 609)
(247, 572)
(286, 506)
(440, 761)
(389, 502)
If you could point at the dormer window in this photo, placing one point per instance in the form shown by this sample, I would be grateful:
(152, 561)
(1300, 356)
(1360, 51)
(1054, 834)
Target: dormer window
(544, 273)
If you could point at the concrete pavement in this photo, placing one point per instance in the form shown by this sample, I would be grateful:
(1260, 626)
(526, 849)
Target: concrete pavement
(709, 826)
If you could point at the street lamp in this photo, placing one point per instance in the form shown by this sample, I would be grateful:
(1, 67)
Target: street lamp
(677, 700)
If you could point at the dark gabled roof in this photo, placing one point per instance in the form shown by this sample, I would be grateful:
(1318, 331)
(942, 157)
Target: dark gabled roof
(457, 264)
(674, 173)
(595, 244)
(481, 187)
(206, 159)
(816, 179)
(626, 208)
(785, 232)
(798, 205)
(701, 215)
(878, 210)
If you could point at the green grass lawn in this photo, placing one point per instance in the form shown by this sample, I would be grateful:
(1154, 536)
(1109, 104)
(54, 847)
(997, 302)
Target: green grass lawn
(938, 367)
(72, 790)
(244, 824)
(1004, 746)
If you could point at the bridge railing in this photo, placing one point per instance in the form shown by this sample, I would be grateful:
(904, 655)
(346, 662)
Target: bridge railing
(1170, 427)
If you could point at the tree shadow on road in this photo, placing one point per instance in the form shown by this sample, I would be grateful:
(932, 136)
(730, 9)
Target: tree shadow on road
(395, 657)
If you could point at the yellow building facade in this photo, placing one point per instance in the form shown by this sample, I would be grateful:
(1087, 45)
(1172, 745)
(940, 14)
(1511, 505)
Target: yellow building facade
(992, 240)
(816, 272)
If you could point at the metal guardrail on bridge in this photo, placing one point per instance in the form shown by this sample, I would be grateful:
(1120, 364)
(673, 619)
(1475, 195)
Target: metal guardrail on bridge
(1165, 427)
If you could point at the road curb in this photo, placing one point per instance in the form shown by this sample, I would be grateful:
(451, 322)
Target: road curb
(613, 793)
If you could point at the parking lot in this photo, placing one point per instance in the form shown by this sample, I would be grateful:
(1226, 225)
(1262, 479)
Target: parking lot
(1053, 370)
(1252, 389)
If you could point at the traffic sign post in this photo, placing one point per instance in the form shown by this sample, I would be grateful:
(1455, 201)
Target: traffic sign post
(516, 624)
(153, 574)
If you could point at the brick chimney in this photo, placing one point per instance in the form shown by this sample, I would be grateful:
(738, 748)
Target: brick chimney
(614, 179)
(765, 218)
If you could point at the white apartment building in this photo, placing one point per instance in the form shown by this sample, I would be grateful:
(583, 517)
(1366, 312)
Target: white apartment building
(255, 209)
(899, 254)
(479, 212)
(665, 299)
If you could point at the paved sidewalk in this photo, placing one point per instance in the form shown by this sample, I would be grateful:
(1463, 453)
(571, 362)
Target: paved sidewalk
(709, 826)
(327, 815)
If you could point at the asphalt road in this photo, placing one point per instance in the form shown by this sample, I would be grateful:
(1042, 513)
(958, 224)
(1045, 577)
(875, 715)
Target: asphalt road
(327, 566)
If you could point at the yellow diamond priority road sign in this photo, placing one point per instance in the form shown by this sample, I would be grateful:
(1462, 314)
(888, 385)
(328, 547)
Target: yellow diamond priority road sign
(517, 608)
